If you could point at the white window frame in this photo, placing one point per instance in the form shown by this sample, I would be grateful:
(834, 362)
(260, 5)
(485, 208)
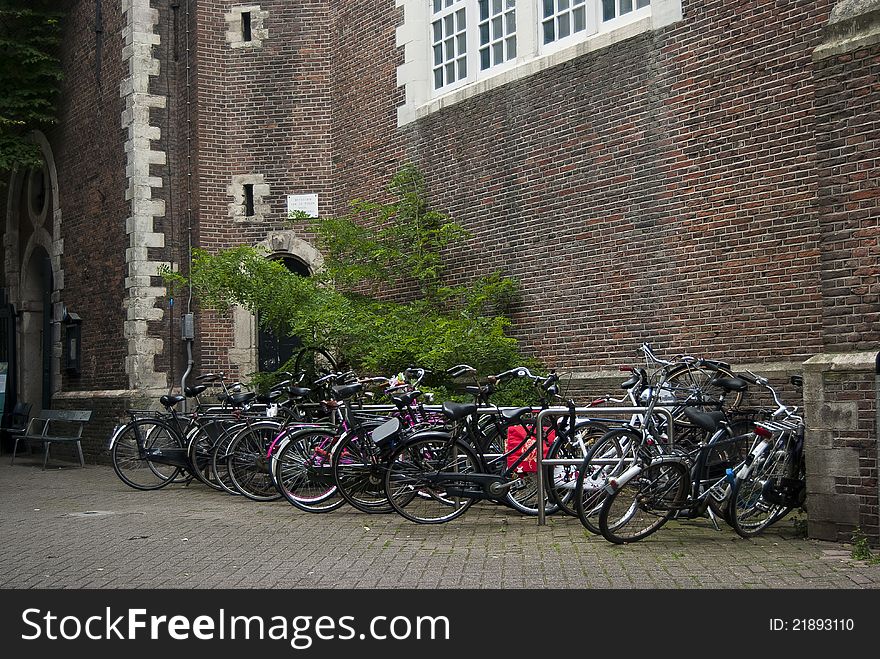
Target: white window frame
(416, 74)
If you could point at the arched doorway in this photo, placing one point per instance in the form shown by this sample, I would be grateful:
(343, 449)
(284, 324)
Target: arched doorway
(272, 350)
(35, 329)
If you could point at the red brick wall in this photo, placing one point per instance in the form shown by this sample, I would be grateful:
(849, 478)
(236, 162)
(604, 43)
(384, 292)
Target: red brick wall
(88, 148)
(605, 185)
(260, 111)
(848, 119)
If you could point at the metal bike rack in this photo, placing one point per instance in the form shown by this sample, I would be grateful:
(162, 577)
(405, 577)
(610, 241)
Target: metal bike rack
(565, 411)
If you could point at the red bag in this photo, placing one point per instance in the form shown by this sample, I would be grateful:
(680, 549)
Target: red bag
(515, 437)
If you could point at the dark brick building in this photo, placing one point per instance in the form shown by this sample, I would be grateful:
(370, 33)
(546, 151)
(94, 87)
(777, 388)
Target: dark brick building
(698, 173)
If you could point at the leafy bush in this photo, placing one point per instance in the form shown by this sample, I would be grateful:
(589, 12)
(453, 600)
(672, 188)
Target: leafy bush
(346, 307)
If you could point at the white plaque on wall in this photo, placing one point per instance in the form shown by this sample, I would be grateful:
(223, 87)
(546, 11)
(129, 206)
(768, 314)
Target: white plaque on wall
(307, 203)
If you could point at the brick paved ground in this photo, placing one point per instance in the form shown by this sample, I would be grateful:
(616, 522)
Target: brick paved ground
(83, 528)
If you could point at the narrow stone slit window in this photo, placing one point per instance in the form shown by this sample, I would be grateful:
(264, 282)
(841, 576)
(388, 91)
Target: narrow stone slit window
(246, 26)
(249, 199)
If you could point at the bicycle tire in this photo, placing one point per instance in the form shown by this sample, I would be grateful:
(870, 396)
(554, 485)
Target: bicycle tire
(616, 451)
(412, 491)
(691, 385)
(562, 479)
(128, 460)
(646, 502)
(200, 446)
(749, 513)
(303, 470)
(220, 458)
(359, 473)
(248, 463)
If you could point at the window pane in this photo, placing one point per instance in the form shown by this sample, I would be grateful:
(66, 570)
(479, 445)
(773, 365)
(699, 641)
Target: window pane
(608, 10)
(564, 26)
(510, 17)
(462, 68)
(484, 58)
(484, 9)
(643, 3)
(548, 8)
(438, 55)
(496, 7)
(438, 5)
(438, 31)
(580, 19)
(626, 6)
(563, 5)
(462, 43)
(497, 32)
(511, 4)
(448, 26)
(459, 19)
(438, 78)
(449, 44)
(549, 32)
(511, 47)
(484, 34)
(497, 53)
(450, 72)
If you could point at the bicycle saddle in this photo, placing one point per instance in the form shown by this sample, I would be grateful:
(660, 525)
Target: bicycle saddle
(515, 415)
(171, 401)
(237, 400)
(730, 384)
(708, 421)
(192, 392)
(347, 391)
(299, 392)
(456, 411)
(405, 399)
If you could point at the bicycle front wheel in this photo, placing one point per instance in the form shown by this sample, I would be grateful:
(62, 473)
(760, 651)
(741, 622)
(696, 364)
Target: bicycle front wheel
(359, 473)
(611, 455)
(644, 503)
(248, 463)
(562, 479)
(136, 444)
(421, 481)
(749, 512)
(304, 472)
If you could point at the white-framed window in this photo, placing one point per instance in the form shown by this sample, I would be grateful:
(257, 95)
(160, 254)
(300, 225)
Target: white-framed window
(468, 38)
(451, 45)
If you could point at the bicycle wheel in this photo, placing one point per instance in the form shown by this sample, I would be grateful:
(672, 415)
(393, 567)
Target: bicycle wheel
(248, 463)
(562, 479)
(645, 502)
(414, 487)
(749, 512)
(692, 386)
(304, 472)
(200, 449)
(359, 473)
(728, 452)
(220, 458)
(132, 446)
(609, 456)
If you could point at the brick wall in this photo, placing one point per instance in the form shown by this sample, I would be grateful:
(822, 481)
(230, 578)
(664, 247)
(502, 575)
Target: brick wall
(603, 184)
(262, 110)
(847, 110)
(87, 144)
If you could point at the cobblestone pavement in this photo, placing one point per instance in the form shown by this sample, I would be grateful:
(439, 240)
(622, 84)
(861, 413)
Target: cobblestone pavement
(83, 528)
